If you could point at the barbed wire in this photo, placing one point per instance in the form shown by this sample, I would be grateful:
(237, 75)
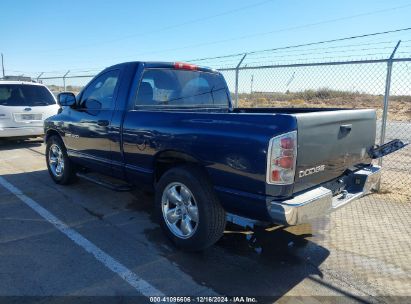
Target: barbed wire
(292, 53)
(371, 55)
(308, 44)
(313, 53)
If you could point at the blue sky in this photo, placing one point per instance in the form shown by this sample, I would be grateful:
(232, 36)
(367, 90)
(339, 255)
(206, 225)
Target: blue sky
(54, 36)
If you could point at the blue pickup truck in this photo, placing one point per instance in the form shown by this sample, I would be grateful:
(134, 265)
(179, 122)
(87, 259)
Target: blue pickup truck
(171, 127)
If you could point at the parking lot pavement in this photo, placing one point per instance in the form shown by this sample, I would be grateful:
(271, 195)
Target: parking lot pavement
(359, 252)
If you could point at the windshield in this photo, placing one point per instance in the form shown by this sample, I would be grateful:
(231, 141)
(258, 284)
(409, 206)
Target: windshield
(182, 88)
(25, 95)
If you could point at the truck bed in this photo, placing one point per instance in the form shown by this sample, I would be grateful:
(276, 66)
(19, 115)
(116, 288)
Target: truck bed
(330, 141)
(286, 110)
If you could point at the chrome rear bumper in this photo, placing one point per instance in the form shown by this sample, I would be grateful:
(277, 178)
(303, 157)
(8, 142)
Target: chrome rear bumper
(32, 131)
(319, 201)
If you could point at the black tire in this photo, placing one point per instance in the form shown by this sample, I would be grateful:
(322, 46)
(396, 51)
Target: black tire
(68, 174)
(211, 216)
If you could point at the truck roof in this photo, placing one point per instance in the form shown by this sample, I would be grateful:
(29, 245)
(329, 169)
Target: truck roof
(172, 65)
(20, 82)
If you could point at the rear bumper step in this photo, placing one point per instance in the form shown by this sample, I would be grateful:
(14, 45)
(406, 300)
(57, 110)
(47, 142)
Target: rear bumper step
(320, 201)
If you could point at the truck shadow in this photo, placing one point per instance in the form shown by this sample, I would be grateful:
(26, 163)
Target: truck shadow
(14, 144)
(259, 262)
(246, 261)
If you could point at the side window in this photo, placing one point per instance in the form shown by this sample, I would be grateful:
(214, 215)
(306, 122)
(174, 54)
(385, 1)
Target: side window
(99, 94)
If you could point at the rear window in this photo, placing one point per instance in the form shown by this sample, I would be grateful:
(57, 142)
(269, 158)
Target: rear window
(182, 88)
(25, 95)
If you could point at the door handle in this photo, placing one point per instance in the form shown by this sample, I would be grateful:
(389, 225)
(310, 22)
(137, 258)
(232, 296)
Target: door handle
(103, 123)
(346, 128)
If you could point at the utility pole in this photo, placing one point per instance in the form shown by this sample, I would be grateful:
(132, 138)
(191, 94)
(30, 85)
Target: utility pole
(251, 86)
(2, 64)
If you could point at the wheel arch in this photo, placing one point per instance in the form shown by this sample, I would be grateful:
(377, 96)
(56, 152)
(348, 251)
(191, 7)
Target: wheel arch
(51, 132)
(168, 159)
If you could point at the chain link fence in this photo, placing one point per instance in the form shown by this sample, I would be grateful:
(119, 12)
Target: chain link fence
(346, 84)
(359, 84)
(397, 166)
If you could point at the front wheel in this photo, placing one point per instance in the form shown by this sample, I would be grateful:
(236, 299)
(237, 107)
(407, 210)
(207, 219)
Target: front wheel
(189, 211)
(59, 165)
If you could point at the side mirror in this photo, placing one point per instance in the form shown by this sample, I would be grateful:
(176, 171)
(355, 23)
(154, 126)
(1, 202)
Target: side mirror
(66, 99)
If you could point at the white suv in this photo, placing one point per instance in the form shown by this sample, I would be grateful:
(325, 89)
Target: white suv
(23, 108)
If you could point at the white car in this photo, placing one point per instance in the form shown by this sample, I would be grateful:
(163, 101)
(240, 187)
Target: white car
(23, 108)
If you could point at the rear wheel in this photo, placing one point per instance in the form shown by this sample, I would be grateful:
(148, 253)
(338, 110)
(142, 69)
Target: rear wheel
(188, 209)
(60, 168)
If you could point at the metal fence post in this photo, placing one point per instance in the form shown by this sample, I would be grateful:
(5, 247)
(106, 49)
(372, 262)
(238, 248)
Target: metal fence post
(386, 103)
(64, 80)
(237, 70)
(38, 77)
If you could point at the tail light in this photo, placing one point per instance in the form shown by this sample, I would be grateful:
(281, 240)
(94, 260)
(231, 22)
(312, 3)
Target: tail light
(281, 159)
(185, 66)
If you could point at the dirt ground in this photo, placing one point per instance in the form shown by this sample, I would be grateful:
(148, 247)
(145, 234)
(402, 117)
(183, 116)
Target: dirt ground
(399, 107)
(395, 180)
(400, 193)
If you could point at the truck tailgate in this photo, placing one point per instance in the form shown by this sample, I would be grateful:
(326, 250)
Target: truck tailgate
(331, 142)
